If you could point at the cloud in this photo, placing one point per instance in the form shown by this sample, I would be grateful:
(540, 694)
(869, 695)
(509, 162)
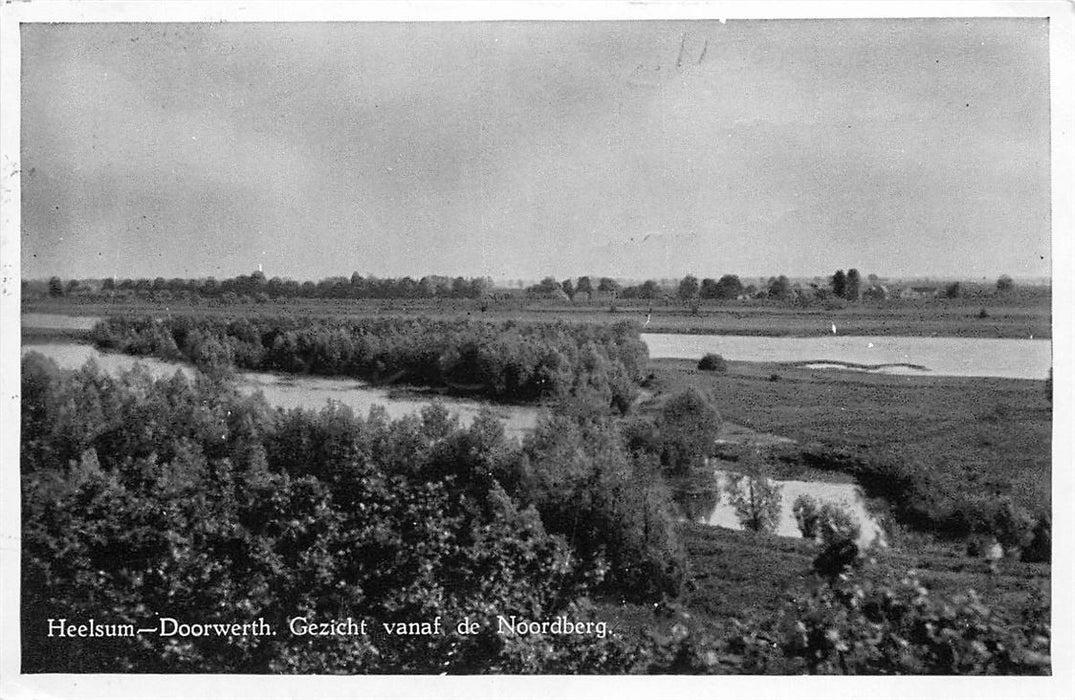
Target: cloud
(525, 149)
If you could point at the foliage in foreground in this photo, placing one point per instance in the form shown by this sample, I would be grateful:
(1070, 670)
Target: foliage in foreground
(146, 498)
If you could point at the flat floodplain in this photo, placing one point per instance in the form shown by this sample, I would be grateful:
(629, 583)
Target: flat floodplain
(955, 318)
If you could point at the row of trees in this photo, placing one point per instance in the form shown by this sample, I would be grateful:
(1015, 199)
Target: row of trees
(503, 360)
(256, 287)
(256, 283)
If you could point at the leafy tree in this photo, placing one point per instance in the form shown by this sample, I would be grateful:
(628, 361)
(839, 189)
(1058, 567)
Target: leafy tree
(757, 502)
(569, 288)
(584, 286)
(649, 290)
(1005, 284)
(839, 284)
(55, 287)
(546, 287)
(729, 287)
(953, 290)
(608, 285)
(779, 287)
(854, 285)
(755, 497)
(688, 424)
(688, 288)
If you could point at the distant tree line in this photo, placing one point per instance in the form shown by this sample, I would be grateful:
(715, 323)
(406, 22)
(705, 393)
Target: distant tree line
(504, 360)
(255, 287)
(256, 284)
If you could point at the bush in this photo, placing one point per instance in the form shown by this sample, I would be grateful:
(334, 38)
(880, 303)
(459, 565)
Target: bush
(1041, 543)
(507, 360)
(856, 626)
(807, 516)
(711, 362)
(687, 425)
(608, 503)
(836, 525)
(146, 497)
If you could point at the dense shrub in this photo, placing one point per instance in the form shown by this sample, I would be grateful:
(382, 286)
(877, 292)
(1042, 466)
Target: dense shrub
(1040, 548)
(711, 362)
(836, 525)
(179, 498)
(857, 626)
(610, 504)
(509, 360)
(687, 426)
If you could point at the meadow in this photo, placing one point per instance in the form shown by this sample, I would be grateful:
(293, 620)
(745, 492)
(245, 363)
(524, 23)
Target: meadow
(1003, 317)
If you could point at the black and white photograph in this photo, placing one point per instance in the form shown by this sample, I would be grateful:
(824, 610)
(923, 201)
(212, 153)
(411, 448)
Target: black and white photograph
(536, 340)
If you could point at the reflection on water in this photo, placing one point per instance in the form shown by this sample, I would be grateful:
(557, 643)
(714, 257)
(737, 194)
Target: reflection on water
(289, 391)
(952, 357)
(715, 507)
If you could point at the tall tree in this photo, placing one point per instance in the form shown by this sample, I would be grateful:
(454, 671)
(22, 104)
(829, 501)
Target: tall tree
(839, 284)
(1005, 284)
(649, 290)
(569, 288)
(779, 287)
(584, 286)
(729, 287)
(688, 287)
(854, 285)
(607, 284)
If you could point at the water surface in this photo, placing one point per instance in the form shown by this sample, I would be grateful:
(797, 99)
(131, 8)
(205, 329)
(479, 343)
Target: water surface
(1013, 358)
(949, 357)
(61, 321)
(715, 508)
(298, 391)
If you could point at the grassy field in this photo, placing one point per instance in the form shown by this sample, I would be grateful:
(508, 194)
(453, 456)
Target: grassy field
(1005, 318)
(938, 454)
(743, 576)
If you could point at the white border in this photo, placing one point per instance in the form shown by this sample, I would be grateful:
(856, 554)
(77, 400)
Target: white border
(1062, 60)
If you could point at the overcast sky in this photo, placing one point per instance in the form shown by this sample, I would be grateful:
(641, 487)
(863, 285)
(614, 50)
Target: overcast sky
(517, 150)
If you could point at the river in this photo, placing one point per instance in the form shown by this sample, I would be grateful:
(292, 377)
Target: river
(288, 391)
(939, 357)
(1020, 358)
